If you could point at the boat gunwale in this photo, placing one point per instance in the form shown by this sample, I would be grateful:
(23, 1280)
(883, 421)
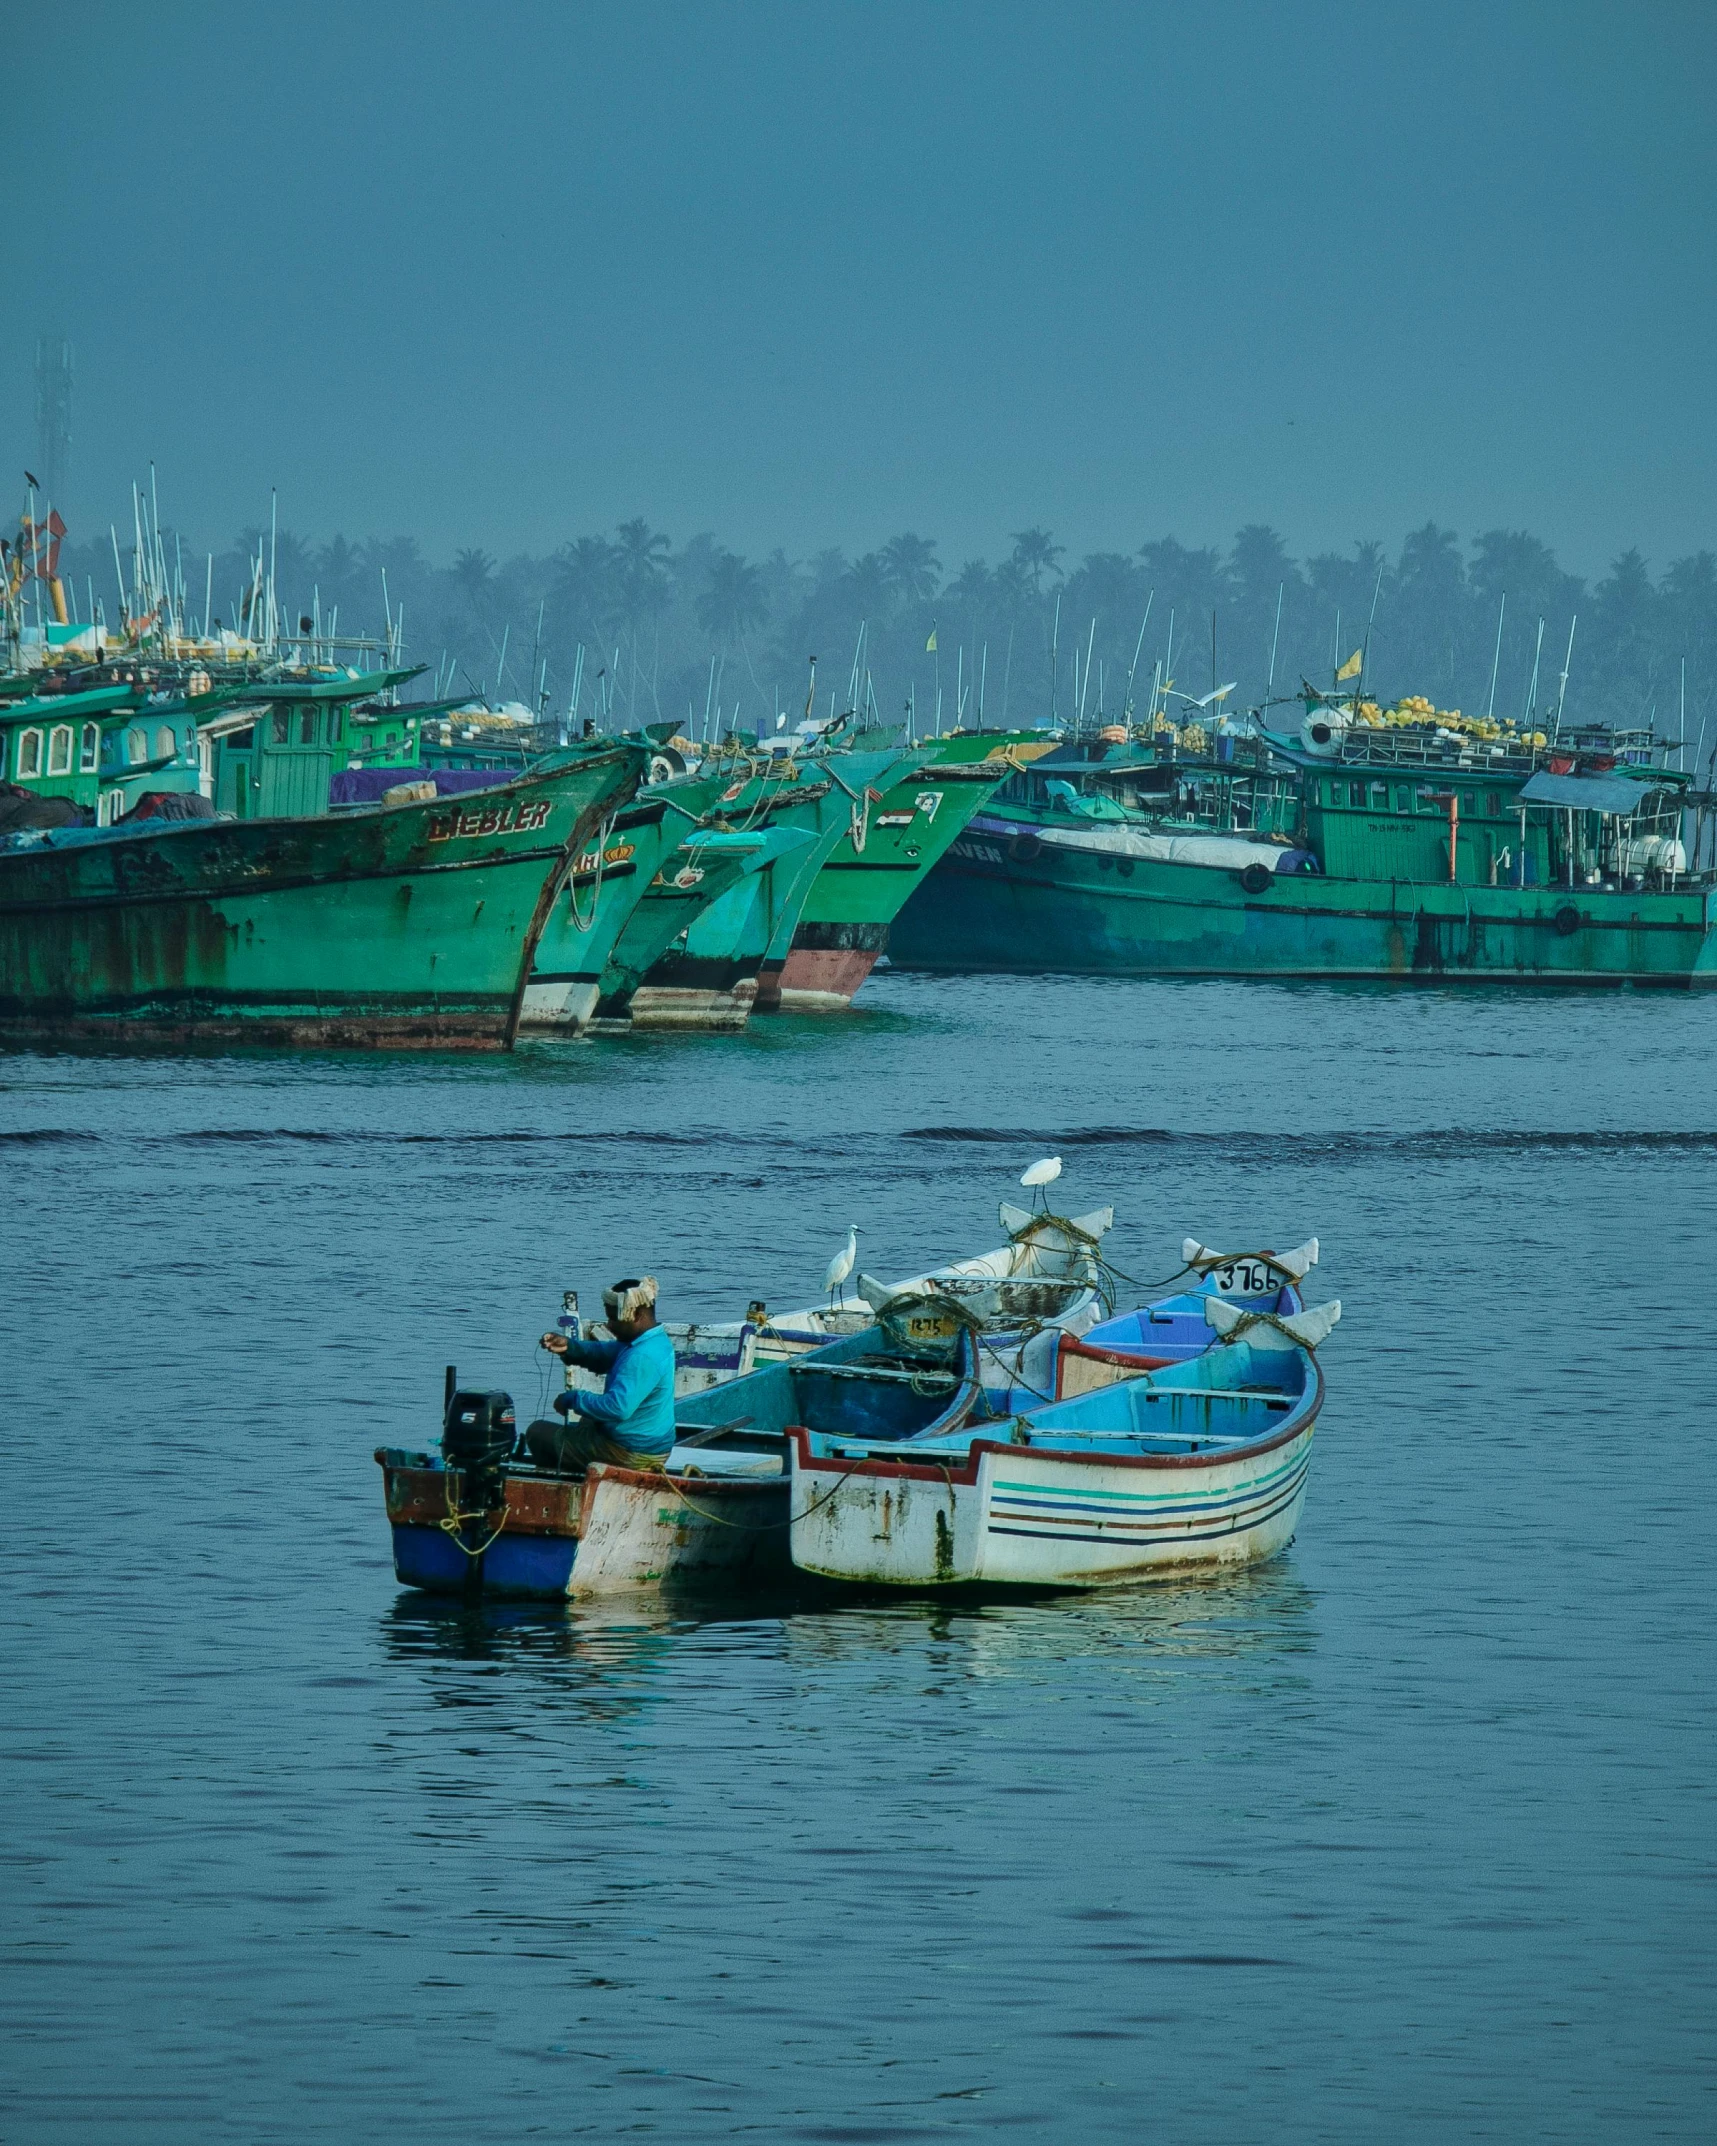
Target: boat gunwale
(573, 1528)
(1301, 1420)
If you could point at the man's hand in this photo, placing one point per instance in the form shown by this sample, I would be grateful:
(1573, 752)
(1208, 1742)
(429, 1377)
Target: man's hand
(555, 1344)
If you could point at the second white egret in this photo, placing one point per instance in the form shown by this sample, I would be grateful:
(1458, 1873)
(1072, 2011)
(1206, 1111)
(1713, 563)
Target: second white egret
(842, 1264)
(1041, 1173)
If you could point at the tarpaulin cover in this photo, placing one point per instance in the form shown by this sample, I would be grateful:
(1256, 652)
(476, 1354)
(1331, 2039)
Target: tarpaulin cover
(1586, 793)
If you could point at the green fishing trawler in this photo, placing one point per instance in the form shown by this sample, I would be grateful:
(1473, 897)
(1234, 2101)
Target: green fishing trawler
(731, 956)
(1370, 843)
(875, 868)
(406, 924)
(653, 868)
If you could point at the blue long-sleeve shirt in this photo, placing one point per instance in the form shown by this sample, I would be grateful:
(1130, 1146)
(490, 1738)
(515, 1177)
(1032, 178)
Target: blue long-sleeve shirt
(636, 1403)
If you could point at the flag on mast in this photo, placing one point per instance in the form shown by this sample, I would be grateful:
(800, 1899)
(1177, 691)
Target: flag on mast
(1352, 667)
(930, 645)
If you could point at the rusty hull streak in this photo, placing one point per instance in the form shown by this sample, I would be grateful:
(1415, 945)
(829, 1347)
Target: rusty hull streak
(349, 931)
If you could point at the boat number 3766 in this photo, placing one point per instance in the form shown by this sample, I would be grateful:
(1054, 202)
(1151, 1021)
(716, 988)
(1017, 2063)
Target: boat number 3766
(492, 820)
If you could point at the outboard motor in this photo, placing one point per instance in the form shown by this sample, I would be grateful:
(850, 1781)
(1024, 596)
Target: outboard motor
(477, 1439)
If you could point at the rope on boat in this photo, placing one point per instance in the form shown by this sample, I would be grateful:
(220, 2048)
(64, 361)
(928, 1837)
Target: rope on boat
(755, 1527)
(579, 923)
(456, 1520)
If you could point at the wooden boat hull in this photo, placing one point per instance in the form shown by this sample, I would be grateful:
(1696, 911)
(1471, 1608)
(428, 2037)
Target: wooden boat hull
(612, 1531)
(1008, 896)
(1026, 1517)
(1201, 1464)
(412, 925)
(828, 963)
(732, 956)
(844, 927)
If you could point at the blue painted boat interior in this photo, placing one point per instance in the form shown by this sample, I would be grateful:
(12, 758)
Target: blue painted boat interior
(1175, 1326)
(856, 1387)
(1229, 1396)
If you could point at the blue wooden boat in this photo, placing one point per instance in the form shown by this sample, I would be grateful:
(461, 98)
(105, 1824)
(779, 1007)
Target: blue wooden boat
(1056, 1363)
(715, 1513)
(1199, 1463)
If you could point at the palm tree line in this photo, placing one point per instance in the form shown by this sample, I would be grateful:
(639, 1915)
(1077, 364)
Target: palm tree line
(646, 630)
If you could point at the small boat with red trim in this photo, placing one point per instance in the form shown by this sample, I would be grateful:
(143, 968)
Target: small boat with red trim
(1201, 1462)
(481, 1518)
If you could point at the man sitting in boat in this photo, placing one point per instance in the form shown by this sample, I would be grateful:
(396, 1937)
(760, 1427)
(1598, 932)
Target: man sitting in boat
(631, 1421)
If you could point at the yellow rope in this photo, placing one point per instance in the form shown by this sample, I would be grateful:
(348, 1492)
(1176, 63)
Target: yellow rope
(456, 1519)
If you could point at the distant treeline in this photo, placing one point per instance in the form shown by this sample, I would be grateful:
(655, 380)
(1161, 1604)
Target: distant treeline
(670, 632)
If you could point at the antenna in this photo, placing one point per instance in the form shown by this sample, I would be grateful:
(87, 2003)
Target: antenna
(1276, 635)
(1532, 688)
(1490, 705)
(1054, 655)
(1168, 661)
(1562, 692)
(53, 414)
(1127, 711)
(1365, 646)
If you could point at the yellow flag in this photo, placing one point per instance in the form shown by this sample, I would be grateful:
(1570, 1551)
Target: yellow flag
(1351, 668)
(931, 643)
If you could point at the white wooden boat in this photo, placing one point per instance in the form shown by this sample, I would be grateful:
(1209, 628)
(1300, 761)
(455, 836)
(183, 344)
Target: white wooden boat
(1049, 1272)
(1199, 1463)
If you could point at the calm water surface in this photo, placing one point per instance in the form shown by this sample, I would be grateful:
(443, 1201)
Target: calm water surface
(1408, 1835)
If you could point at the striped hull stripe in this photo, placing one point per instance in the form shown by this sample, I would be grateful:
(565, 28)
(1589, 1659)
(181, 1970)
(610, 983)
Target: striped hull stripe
(1166, 1532)
(1247, 1508)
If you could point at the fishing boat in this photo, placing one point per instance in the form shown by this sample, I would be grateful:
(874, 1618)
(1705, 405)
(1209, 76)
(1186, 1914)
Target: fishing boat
(1057, 1362)
(1200, 1463)
(648, 873)
(1049, 1273)
(1401, 844)
(478, 1519)
(737, 946)
(412, 924)
(874, 868)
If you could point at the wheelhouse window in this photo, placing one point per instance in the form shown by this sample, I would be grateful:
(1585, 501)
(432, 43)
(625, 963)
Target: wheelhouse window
(280, 726)
(60, 749)
(89, 749)
(1356, 793)
(136, 747)
(1380, 797)
(29, 754)
(166, 744)
(306, 726)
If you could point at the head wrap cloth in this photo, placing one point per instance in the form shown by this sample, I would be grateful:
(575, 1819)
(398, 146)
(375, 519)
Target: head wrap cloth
(627, 1299)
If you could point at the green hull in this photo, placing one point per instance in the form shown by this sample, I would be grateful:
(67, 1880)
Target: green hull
(630, 895)
(733, 954)
(409, 925)
(844, 928)
(1080, 911)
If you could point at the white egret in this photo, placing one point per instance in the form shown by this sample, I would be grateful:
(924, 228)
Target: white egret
(1041, 1174)
(842, 1264)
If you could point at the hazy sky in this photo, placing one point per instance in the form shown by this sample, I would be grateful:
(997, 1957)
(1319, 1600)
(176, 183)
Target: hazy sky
(813, 274)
